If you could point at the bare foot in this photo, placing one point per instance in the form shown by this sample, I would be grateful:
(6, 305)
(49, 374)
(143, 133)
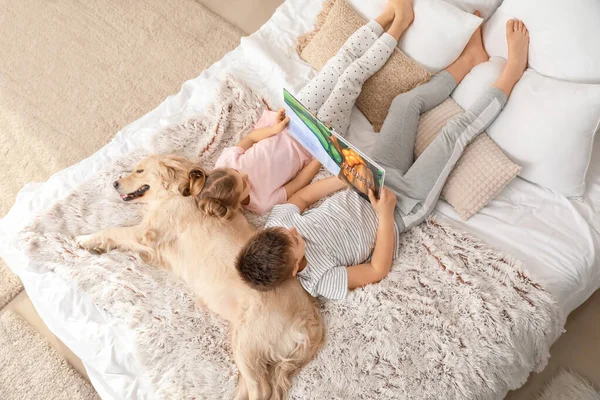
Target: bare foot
(474, 52)
(472, 55)
(386, 17)
(404, 12)
(517, 37)
(404, 16)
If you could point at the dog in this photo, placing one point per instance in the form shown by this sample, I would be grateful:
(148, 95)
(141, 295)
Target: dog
(274, 333)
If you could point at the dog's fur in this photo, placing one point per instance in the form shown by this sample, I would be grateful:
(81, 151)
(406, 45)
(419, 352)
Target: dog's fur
(274, 333)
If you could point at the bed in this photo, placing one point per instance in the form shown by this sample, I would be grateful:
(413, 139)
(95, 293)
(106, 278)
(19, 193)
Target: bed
(556, 238)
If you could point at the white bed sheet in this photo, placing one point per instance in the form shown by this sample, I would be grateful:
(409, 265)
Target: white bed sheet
(557, 239)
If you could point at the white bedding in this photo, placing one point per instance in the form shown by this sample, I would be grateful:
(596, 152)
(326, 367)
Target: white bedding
(557, 239)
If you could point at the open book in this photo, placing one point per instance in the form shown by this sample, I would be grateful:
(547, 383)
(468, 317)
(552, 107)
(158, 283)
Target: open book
(336, 154)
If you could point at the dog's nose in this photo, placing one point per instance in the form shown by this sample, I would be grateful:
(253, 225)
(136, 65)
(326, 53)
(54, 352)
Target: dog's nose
(116, 184)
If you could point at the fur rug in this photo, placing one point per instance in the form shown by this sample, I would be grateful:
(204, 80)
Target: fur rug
(454, 319)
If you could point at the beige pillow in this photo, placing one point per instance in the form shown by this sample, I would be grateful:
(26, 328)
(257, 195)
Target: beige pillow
(480, 174)
(335, 23)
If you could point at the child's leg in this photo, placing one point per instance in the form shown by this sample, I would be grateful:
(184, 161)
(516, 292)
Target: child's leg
(395, 145)
(422, 184)
(394, 148)
(337, 108)
(314, 94)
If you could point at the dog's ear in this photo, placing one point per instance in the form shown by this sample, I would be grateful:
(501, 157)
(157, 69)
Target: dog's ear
(174, 172)
(196, 181)
(173, 166)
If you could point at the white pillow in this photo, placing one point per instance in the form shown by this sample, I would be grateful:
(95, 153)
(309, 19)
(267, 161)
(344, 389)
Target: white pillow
(486, 7)
(548, 127)
(436, 37)
(481, 77)
(563, 36)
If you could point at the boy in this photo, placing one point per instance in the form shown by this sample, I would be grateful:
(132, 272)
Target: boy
(327, 246)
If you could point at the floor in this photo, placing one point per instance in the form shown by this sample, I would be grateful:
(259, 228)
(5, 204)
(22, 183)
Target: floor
(578, 349)
(22, 305)
(248, 15)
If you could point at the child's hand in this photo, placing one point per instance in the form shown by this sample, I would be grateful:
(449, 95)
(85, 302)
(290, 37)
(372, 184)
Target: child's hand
(281, 121)
(386, 203)
(257, 135)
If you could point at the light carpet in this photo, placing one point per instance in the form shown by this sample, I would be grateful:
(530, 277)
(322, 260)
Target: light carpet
(10, 285)
(73, 72)
(31, 369)
(569, 386)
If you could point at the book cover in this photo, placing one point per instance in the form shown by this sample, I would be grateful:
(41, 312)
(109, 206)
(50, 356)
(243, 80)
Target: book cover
(335, 153)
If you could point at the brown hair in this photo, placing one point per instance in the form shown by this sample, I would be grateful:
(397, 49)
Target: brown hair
(216, 193)
(266, 260)
(196, 181)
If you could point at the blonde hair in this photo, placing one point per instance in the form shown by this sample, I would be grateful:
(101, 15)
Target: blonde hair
(216, 193)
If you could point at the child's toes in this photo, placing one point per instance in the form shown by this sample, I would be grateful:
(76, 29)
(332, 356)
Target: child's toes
(510, 26)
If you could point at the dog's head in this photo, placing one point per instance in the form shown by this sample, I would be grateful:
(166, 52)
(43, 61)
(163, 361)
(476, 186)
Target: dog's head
(154, 178)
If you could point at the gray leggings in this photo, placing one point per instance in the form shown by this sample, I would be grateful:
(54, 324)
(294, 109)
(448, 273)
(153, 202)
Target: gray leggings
(418, 184)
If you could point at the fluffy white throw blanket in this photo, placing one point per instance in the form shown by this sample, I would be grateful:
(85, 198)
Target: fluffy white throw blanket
(453, 320)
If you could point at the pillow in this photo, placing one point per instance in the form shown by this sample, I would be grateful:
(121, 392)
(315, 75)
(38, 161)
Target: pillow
(481, 77)
(486, 7)
(336, 22)
(563, 36)
(436, 37)
(548, 128)
(479, 175)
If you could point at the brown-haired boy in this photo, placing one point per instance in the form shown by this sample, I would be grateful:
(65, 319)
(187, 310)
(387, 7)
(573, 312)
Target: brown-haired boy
(326, 247)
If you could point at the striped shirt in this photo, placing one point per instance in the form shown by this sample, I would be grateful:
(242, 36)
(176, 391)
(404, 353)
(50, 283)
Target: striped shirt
(339, 233)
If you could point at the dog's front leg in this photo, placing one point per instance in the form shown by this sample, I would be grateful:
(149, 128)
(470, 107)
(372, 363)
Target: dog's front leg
(124, 238)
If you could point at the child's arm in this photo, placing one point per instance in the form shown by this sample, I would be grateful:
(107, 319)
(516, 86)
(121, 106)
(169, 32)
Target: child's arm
(381, 262)
(257, 135)
(314, 192)
(303, 178)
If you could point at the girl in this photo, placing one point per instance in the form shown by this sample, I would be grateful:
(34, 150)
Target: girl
(268, 158)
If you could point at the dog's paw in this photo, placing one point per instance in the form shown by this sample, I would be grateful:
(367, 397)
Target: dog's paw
(90, 242)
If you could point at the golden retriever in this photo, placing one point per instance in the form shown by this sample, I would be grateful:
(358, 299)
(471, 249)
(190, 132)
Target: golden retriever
(274, 333)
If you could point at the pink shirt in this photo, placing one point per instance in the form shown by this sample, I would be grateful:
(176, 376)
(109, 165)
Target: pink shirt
(270, 164)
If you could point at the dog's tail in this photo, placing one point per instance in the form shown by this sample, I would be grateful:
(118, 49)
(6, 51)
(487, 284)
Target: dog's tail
(307, 335)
